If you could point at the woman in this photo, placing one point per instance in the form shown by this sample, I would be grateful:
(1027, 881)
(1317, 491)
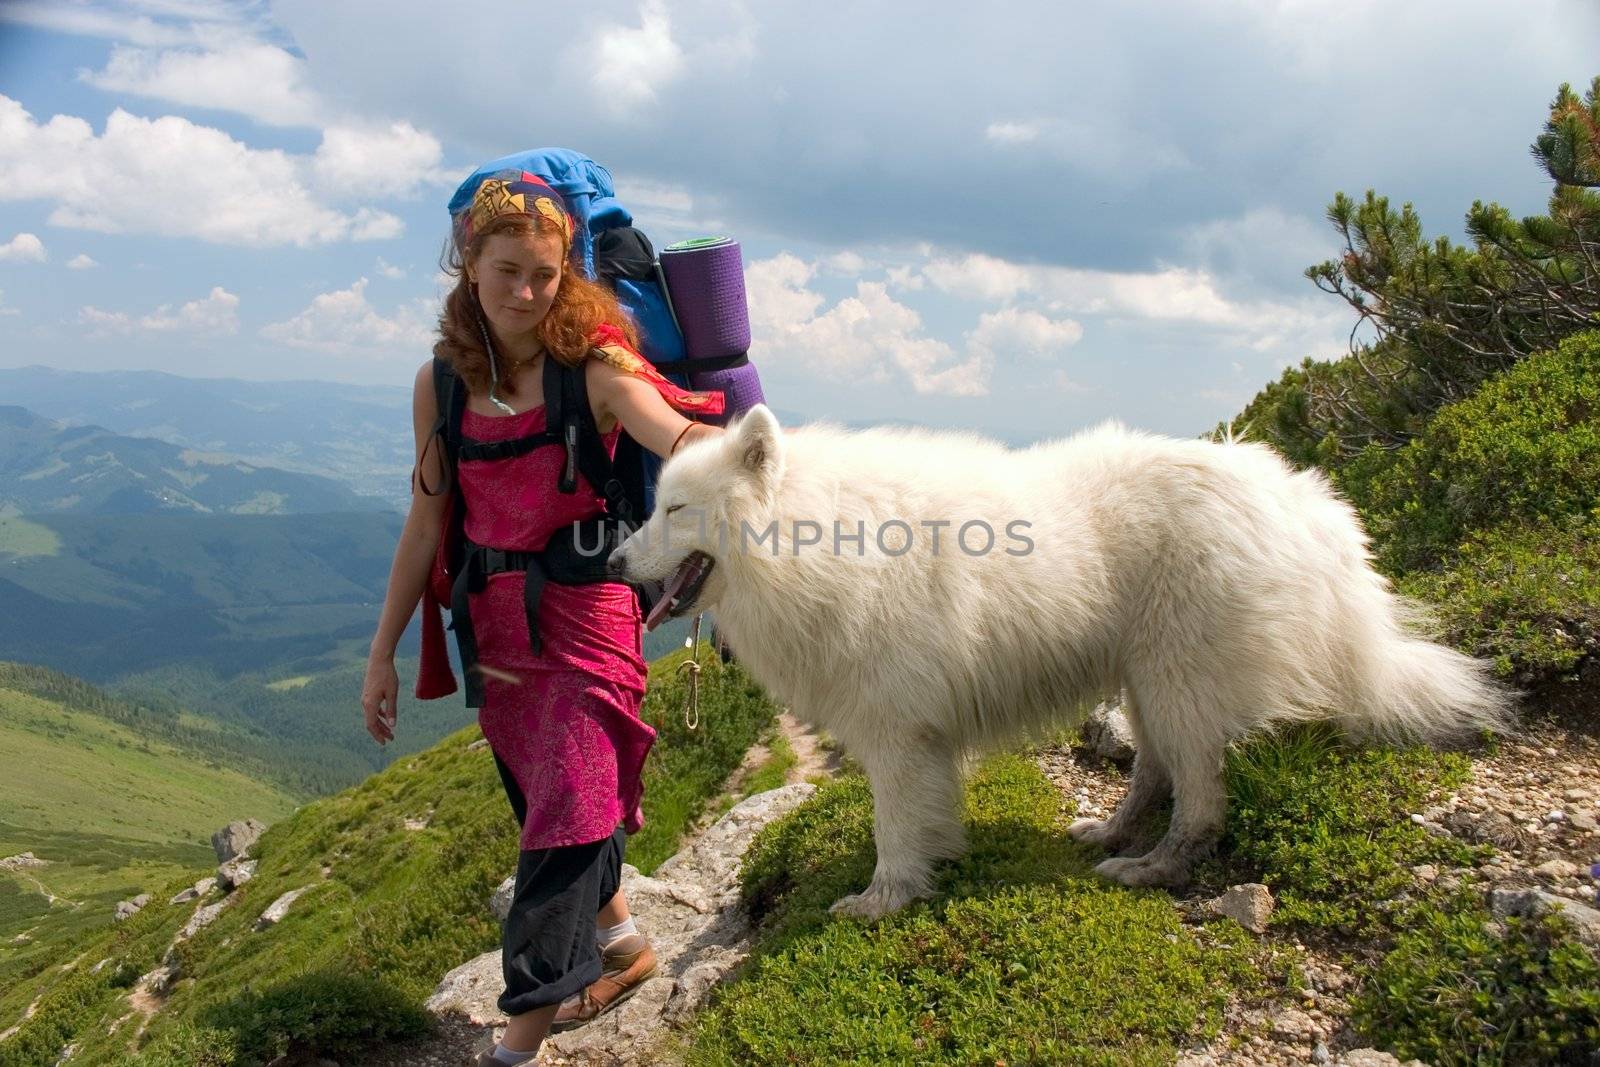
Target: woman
(563, 723)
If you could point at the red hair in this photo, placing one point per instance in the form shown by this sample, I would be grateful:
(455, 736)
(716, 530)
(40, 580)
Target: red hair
(580, 307)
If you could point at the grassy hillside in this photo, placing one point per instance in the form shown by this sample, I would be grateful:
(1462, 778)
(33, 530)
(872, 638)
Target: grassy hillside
(387, 910)
(115, 811)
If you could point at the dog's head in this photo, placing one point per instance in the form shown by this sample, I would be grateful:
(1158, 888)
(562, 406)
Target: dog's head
(704, 494)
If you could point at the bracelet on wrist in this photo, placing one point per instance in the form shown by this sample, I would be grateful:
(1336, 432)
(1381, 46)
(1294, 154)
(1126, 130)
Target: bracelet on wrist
(685, 430)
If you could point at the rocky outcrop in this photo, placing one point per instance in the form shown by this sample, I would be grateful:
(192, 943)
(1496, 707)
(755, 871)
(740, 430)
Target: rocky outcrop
(1532, 903)
(127, 909)
(236, 838)
(279, 908)
(194, 892)
(236, 872)
(689, 909)
(1107, 734)
(1250, 905)
(22, 861)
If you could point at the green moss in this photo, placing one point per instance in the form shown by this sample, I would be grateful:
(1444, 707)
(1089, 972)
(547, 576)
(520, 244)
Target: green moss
(1026, 956)
(1524, 595)
(1458, 990)
(1524, 448)
(1327, 827)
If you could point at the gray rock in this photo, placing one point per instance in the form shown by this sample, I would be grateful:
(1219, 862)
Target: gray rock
(1505, 903)
(1371, 1057)
(279, 908)
(205, 885)
(472, 989)
(236, 872)
(202, 918)
(1558, 869)
(1320, 1054)
(184, 897)
(500, 903)
(158, 981)
(1530, 903)
(482, 742)
(1292, 1024)
(127, 909)
(236, 838)
(22, 860)
(1250, 905)
(690, 911)
(1107, 734)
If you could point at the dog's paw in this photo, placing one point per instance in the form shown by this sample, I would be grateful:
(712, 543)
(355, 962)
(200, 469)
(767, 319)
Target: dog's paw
(1096, 832)
(873, 903)
(1142, 871)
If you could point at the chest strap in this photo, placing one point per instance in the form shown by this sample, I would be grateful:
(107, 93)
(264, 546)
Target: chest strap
(471, 451)
(576, 554)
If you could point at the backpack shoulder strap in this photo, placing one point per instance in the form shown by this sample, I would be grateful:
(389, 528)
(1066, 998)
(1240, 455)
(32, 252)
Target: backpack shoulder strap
(586, 450)
(450, 402)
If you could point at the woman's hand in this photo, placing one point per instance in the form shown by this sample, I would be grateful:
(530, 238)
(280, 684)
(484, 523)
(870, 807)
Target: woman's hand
(378, 693)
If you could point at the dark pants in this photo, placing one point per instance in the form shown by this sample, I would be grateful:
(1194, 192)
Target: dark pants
(548, 949)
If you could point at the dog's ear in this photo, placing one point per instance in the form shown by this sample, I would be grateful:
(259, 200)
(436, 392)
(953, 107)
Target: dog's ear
(758, 442)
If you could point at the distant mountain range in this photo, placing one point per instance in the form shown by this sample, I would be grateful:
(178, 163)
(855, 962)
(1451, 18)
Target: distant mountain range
(49, 467)
(358, 435)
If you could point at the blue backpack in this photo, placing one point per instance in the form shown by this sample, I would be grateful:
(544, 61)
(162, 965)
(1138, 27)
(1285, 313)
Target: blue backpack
(612, 251)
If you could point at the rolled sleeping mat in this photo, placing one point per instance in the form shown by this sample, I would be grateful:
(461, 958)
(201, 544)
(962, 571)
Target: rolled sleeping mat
(740, 385)
(705, 277)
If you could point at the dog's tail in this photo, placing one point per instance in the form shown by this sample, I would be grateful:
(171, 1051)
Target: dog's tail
(1408, 687)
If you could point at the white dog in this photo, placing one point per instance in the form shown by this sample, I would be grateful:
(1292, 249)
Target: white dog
(1214, 585)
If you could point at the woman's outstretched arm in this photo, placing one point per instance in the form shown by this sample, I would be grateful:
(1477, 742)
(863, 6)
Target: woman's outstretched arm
(413, 557)
(643, 412)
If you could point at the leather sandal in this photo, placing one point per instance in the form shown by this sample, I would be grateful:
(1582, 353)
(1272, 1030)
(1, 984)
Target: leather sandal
(626, 964)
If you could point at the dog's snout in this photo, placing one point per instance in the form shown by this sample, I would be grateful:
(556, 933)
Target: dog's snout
(616, 565)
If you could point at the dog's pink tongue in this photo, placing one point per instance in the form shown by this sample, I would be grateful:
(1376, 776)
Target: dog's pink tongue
(673, 588)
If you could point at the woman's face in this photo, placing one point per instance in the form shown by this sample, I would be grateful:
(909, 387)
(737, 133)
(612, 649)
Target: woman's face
(517, 276)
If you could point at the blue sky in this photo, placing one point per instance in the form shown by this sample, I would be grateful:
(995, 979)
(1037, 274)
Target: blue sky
(1020, 218)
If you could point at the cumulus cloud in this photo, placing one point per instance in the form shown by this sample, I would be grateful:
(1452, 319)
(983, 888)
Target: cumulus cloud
(389, 270)
(861, 338)
(344, 322)
(215, 314)
(23, 248)
(397, 159)
(1178, 294)
(631, 64)
(175, 178)
(263, 81)
(1024, 331)
(81, 261)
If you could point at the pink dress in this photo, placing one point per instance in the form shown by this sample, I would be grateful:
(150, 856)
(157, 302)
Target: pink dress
(568, 726)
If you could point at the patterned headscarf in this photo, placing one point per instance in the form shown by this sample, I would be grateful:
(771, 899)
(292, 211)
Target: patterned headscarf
(511, 192)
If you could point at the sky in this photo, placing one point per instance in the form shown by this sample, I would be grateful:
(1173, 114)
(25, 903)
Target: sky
(1016, 218)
